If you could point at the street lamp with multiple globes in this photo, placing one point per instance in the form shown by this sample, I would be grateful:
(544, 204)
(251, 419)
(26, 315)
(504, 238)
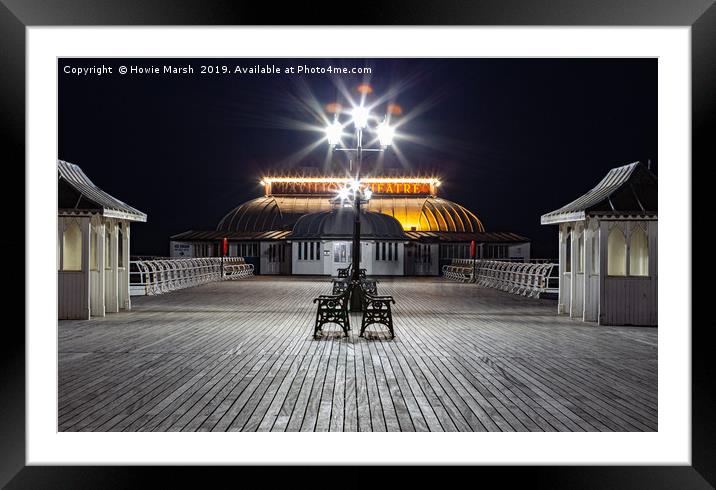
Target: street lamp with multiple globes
(360, 119)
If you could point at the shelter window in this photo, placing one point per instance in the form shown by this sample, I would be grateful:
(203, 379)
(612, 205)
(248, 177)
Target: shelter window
(93, 248)
(277, 252)
(580, 253)
(107, 248)
(595, 253)
(72, 247)
(252, 249)
(638, 253)
(568, 258)
(616, 253)
(120, 246)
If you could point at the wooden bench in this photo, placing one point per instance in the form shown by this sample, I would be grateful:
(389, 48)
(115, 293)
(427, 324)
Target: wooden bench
(376, 309)
(332, 308)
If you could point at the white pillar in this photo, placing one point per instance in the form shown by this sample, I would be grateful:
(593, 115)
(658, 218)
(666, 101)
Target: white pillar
(562, 258)
(97, 276)
(603, 242)
(573, 289)
(588, 233)
(124, 298)
(111, 276)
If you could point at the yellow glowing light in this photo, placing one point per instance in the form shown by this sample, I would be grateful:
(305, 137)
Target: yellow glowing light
(364, 88)
(334, 108)
(395, 109)
(345, 180)
(437, 183)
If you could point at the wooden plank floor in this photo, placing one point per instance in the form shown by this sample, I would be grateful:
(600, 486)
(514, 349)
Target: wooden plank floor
(239, 356)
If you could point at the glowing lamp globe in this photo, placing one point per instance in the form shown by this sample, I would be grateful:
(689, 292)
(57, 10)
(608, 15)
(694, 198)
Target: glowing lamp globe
(385, 134)
(343, 193)
(360, 117)
(334, 132)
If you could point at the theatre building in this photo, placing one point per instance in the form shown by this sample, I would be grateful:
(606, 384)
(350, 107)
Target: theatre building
(301, 226)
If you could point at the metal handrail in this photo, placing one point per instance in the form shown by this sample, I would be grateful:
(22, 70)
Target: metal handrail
(158, 276)
(524, 278)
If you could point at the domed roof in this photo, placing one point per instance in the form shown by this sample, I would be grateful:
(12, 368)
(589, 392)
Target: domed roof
(271, 213)
(414, 213)
(428, 214)
(338, 223)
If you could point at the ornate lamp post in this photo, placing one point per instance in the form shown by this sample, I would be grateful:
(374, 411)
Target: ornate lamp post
(360, 118)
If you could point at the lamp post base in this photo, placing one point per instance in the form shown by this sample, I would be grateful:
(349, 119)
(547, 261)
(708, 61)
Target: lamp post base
(356, 297)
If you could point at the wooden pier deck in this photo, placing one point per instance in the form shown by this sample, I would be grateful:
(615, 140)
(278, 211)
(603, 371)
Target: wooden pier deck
(239, 356)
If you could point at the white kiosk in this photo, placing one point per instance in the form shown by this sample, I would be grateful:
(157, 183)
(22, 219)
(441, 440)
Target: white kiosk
(92, 247)
(608, 255)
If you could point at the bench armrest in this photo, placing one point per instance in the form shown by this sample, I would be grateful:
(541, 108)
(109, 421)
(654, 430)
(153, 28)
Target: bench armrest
(372, 297)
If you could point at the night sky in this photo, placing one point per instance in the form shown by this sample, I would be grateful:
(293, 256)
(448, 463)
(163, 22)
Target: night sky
(510, 138)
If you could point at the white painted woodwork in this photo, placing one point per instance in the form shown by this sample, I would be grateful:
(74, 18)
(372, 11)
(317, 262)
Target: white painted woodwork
(563, 303)
(111, 284)
(519, 251)
(576, 302)
(305, 265)
(73, 287)
(387, 267)
(414, 266)
(275, 266)
(97, 297)
(591, 276)
(123, 296)
(630, 300)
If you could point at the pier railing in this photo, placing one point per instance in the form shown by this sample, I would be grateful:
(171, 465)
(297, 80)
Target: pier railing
(158, 276)
(524, 278)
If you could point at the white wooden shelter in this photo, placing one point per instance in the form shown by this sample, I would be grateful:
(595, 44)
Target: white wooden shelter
(608, 255)
(321, 243)
(92, 247)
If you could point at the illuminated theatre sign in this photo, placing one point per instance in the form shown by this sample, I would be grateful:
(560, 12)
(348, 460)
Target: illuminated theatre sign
(330, 186)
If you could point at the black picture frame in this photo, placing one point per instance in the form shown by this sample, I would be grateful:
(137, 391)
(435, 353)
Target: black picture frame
(16, 15)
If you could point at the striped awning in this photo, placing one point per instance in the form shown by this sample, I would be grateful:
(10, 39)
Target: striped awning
(628, 191)
(78, 195)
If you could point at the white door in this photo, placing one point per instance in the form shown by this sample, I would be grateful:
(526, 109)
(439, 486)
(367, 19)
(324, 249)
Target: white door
(342, 256)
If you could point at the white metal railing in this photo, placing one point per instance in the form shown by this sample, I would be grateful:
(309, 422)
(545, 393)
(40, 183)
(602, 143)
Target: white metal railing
(524, 278)
(158, 276)
(460, 270)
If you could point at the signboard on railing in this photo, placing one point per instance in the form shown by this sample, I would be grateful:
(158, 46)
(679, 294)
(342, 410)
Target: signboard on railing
(181, 249)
